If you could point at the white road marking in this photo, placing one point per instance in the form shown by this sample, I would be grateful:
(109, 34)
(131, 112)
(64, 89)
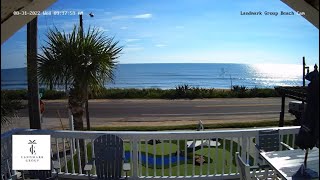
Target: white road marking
(236, 105)
(194, 114)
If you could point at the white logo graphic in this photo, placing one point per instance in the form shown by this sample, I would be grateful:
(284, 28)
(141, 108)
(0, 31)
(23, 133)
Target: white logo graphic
(31, 152)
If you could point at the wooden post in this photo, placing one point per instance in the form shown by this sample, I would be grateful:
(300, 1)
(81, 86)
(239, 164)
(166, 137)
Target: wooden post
(281, 121)
(303, 72)
(33, 86)
(81, 24)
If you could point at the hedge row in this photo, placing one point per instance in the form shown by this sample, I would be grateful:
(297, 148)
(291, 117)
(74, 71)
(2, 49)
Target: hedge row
(180, 92)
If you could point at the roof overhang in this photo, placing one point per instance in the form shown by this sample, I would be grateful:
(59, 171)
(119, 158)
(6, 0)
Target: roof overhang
(309, 10)
(12, 23)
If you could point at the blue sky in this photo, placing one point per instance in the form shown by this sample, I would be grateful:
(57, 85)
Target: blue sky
(184, 31)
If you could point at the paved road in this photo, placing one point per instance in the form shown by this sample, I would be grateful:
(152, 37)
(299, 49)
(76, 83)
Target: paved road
(127, 110)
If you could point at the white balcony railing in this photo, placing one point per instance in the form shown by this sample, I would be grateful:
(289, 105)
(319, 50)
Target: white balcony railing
(162, 154)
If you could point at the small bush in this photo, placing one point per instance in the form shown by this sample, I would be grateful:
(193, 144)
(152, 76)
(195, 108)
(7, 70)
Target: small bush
(240, 91)
(9, 107)
(53, 94)
(16, 94)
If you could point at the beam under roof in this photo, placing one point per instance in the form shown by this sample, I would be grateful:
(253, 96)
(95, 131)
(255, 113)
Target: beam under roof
(310, 13)
(12, 23)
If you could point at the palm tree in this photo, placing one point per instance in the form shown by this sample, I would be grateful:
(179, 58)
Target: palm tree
(83, 62)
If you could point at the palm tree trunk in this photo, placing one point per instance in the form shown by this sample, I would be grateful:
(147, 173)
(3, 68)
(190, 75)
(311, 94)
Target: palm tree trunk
(77, 104)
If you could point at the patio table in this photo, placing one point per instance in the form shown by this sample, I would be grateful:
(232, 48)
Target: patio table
(287, 163)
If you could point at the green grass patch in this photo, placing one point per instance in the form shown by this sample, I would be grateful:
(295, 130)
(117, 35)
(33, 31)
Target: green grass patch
(218, 159)
(193, 126)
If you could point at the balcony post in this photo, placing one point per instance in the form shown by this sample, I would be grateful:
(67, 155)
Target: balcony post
(33, 86)
(135, 158)
(244, 145)
(281, 121)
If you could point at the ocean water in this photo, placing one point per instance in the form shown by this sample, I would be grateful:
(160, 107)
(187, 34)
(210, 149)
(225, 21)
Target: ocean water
(166, 76)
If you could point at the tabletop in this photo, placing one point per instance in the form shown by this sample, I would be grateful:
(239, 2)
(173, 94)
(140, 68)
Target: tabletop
(287, 163)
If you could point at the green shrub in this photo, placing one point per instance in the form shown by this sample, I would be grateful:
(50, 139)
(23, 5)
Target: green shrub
(16, 94)
(9, 107)
(180, 92)
(53, 94)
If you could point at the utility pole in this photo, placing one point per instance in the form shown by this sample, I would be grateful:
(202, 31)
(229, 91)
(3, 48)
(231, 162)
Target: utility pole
(33, 86)
(87, 94)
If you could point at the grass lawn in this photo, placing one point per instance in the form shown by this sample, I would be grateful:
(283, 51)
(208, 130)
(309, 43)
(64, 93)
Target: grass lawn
(217, 162)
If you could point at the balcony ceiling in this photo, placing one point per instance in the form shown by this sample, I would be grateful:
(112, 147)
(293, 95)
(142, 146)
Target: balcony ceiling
(310, 8)
(12, 23)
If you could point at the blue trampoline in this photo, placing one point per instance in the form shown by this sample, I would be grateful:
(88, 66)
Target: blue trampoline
(158, 160)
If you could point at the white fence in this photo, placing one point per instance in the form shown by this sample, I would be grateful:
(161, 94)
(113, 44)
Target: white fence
(163, 154)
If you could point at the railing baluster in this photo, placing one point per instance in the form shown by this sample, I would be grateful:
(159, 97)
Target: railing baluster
(72, 155)
(231, 155)
(124, 156)
(288, 137)
(170, 149)
(135, 172)
(58, 155)
(255, 154)
(131, 155)
(223, 155)
(178, 160)
(209, 154)
(216, 158)
(65, 155)
(162, 158)
(249, 148)
(154, 159)
(238, 149)
(185, 157)
(79, 156)
(193, 157)
(93, 157)
(293, 140)
(147, 155)
(244, 147)
(85, 152)
(201, 156)
(140, 159)
(282, 140)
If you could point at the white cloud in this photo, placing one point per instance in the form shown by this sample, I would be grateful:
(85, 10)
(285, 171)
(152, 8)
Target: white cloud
(138, 16)
(103, 29)
(119, 17)
(132, 45)
(124, 27)
(131, 49)
(132, 40)
(160, 45)
(143, 16)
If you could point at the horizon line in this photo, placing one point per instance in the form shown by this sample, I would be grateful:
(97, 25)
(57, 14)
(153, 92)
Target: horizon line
(184, 63)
